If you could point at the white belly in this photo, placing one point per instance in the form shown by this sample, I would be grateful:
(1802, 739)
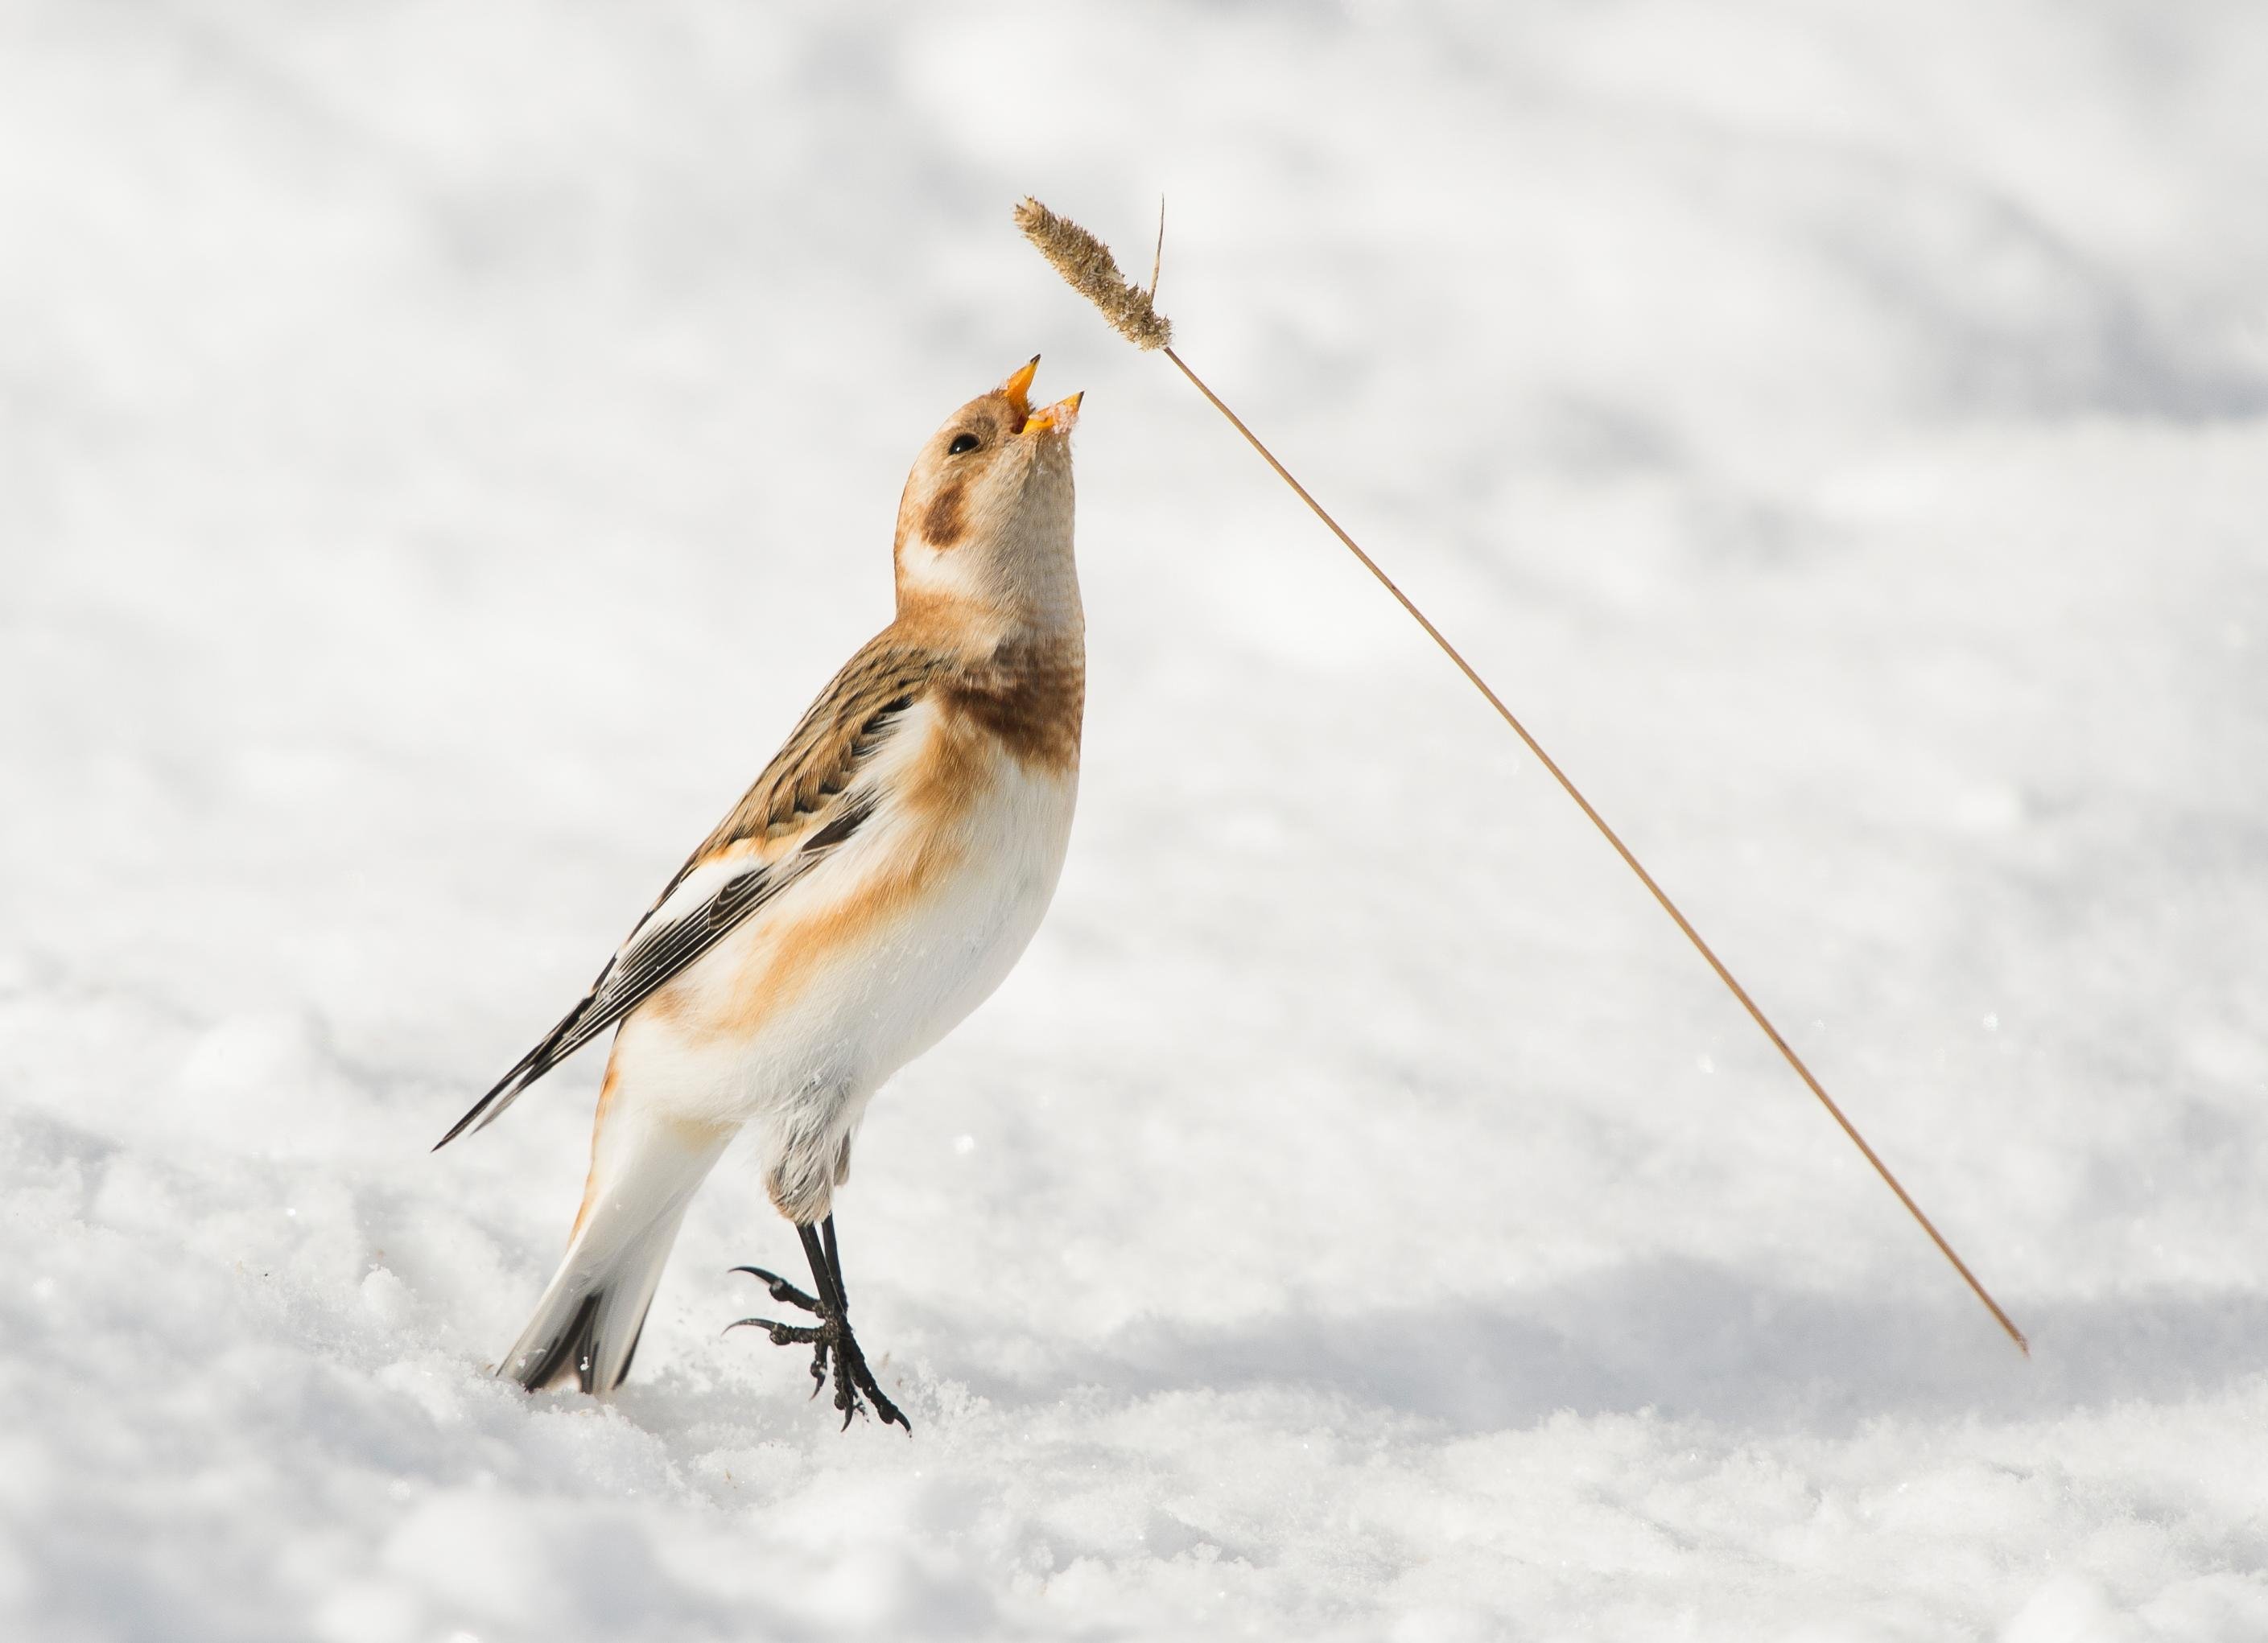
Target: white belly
(897, 995)
(792, 1022)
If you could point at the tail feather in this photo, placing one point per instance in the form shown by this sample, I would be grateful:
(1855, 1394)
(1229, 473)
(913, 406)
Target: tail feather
(586, 1327)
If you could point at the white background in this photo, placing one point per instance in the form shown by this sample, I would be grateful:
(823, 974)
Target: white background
(442, 448)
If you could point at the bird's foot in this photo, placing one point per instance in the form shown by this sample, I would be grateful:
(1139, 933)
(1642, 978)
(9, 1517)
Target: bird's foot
(829, 1337)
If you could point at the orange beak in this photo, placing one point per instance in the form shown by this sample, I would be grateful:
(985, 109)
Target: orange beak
(1058, 417)
(1018, 390)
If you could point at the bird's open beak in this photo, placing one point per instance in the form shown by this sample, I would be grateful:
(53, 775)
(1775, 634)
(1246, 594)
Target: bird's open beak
(1058, 417)
(1018, 390)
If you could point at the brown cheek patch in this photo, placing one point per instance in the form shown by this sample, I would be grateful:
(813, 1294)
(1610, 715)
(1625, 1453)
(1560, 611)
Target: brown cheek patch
(942, 525)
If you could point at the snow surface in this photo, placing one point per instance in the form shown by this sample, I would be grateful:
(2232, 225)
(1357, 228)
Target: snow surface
(442, 447)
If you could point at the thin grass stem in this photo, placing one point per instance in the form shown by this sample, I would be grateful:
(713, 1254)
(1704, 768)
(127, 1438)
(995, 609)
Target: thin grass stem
(1088, 268)
(1630, 860)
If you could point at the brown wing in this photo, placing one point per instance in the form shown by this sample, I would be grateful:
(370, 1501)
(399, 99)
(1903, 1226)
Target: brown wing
(806, 788)
(826, 750)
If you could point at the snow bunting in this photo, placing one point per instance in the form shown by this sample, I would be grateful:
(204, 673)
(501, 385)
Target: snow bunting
(875, 885)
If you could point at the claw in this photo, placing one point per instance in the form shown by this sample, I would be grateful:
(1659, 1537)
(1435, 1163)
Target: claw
(785, 1334)
(861, 1379)
(782, 1291)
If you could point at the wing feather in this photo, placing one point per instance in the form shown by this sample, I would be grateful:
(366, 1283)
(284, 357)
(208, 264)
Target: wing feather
(811, 788)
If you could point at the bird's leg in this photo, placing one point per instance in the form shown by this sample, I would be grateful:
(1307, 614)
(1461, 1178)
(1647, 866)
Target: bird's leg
(834, 1261)
(831, 1336)
(851, 1374)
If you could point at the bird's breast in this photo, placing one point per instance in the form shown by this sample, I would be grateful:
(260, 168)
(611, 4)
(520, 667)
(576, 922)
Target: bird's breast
(906, 927)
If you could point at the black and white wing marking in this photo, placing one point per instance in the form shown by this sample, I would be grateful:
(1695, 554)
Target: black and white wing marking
(810, 787)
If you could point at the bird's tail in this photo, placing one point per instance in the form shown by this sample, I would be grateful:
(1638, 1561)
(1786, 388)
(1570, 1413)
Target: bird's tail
(643, 1172)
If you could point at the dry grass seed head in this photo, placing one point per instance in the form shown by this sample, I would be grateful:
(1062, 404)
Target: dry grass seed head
(1088, 268)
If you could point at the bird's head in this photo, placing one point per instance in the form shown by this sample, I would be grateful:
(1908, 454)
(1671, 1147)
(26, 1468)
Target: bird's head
(985, 524)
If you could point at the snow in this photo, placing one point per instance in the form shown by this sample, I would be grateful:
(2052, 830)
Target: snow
(442, 448)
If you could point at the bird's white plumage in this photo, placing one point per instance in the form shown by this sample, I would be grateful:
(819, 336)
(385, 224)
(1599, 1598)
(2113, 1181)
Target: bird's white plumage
(835, 1028)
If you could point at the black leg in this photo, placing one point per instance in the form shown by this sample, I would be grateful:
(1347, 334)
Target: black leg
(831, 1310)
(834, 1260)
(831, 1336)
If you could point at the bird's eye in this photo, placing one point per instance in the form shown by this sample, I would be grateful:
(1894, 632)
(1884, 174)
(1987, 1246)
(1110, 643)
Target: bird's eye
(962, 443)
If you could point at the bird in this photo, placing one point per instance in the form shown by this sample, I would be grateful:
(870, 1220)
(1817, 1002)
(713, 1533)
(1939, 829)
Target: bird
(874, 885)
